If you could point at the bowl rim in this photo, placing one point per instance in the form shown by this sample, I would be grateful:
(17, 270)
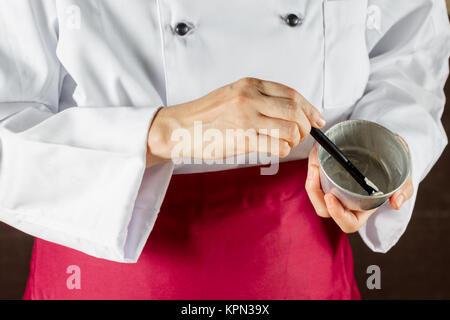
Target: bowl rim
(362, 196)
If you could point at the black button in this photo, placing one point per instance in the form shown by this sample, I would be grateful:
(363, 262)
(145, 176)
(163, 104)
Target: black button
(182, 29)
(293, 20)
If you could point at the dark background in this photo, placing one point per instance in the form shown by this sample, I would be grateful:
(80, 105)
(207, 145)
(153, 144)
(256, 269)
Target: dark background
(418, 267)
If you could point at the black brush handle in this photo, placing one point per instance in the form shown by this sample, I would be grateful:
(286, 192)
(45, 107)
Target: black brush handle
(337, 154)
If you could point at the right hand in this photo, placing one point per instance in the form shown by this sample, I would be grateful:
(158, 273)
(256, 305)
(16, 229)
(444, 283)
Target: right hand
(245, 104)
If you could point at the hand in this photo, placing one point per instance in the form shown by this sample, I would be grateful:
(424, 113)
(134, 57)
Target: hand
(327, 205)
(249, 104)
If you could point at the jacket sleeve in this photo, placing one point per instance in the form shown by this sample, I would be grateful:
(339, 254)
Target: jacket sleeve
(75, 177)
(409, 46)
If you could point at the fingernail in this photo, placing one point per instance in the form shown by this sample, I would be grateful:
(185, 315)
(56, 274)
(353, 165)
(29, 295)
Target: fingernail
(321, 122)
(399, 200)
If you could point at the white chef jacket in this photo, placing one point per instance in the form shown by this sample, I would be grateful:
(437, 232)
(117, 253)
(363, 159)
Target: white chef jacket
(80, 82)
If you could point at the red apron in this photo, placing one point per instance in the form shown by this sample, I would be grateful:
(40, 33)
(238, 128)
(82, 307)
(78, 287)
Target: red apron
(220, 235)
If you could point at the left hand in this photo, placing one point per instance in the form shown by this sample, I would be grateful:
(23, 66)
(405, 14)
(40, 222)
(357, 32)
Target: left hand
(327, 205)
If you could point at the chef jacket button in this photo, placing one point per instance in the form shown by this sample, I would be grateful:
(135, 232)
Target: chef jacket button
(293, 20)
(182, 29)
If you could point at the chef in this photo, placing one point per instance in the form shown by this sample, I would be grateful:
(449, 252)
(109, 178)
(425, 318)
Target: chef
(92, 93)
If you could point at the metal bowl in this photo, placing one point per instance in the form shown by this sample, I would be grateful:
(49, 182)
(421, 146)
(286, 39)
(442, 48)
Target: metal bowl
(376, 151)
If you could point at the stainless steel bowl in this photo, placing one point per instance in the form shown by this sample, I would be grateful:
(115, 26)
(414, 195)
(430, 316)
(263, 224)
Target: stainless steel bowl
(376, 151)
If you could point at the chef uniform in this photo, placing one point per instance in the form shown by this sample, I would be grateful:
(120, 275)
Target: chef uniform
(80, 82)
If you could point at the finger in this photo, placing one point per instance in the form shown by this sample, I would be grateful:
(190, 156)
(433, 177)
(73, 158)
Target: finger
(242, 141)
(344, 218)
(363, 216)
(278, 128)
(402, 195)
(271, 145)
(313, 187)
(315, 117)
(274, 89)
(349, 221)
(286, 109)
(248, 141)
